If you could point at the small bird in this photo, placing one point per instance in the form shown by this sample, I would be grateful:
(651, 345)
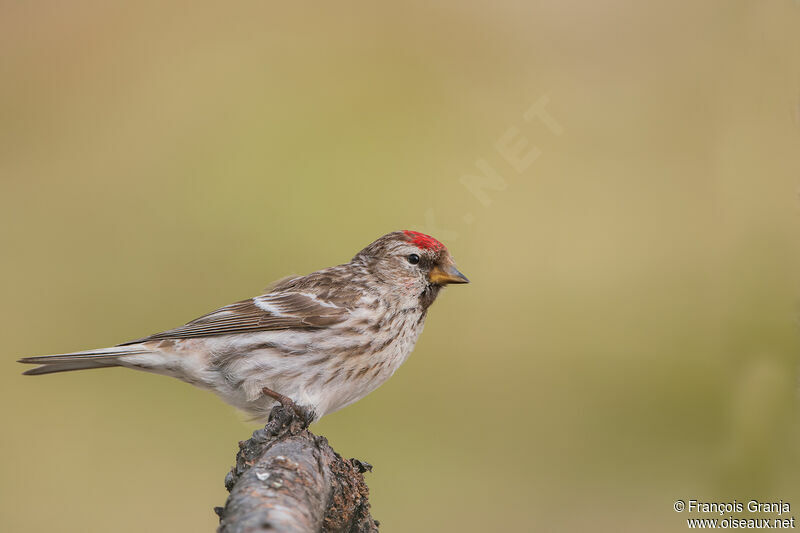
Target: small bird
(316, 343)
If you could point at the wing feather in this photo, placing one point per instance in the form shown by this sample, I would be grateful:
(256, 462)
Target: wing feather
(274, 311)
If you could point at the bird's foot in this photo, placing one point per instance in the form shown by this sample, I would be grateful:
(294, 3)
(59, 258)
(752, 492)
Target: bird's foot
(303, 414)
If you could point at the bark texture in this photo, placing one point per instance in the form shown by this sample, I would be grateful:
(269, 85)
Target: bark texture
(286, 479)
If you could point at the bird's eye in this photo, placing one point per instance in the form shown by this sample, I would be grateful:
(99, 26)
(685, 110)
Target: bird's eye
(413, 259)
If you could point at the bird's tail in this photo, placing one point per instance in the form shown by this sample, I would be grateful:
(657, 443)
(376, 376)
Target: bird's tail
(65, 362)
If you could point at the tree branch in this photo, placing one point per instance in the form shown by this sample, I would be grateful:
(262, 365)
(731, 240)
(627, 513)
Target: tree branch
(288, 480)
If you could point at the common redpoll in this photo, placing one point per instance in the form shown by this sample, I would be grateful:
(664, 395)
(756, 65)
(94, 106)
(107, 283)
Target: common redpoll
(321, 341)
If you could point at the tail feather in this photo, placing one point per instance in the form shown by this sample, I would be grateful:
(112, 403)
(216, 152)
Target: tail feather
(102, 358)
(65, 367)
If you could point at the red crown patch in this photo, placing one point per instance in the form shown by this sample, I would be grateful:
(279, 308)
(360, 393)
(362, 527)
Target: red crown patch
(422, 241)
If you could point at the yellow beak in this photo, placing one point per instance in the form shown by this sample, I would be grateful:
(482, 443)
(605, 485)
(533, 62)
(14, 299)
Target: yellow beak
(445, 274)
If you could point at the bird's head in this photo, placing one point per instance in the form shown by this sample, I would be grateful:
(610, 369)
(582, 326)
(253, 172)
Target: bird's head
(413, 261)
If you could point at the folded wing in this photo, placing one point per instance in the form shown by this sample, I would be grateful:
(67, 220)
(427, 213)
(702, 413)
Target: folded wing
(274, 311)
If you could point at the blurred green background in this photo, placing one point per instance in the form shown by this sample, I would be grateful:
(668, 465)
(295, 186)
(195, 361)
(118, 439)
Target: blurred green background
(630, 334)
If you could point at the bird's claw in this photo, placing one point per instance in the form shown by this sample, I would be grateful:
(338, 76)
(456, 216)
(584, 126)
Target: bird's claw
(303, 414)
